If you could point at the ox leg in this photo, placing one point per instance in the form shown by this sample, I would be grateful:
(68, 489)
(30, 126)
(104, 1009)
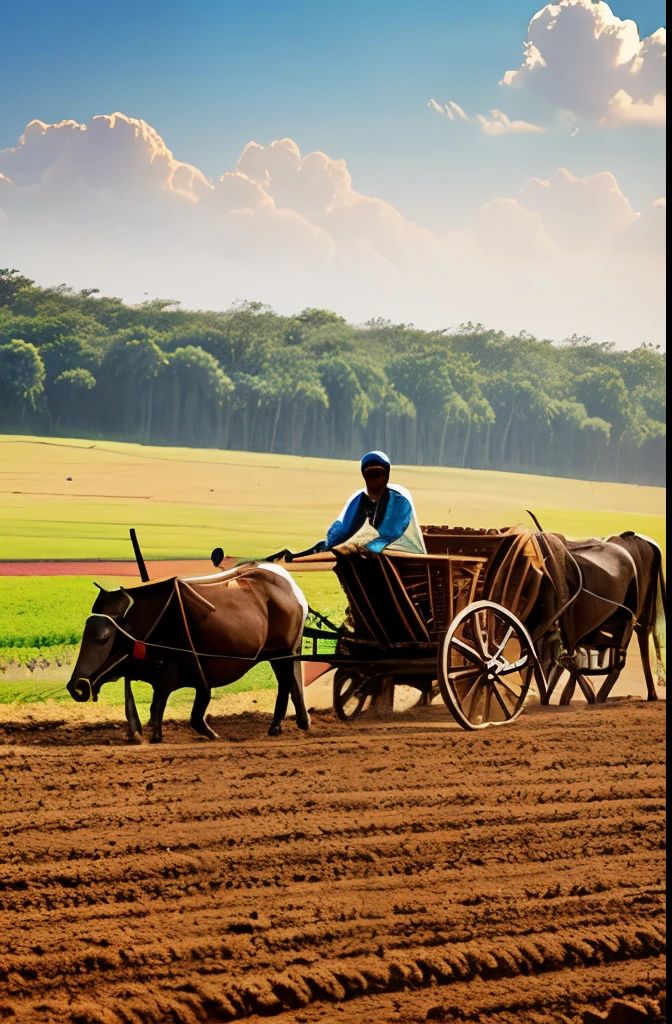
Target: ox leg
(132, 717)
(198, 722)
(645, 652)
(296, 692)
(285, 680)
(587, 688)
(552, 680)
(607, 685)
(568, 690)
(157, 708)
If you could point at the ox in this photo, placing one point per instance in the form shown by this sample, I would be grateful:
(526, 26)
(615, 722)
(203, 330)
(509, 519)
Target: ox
(597, 594)
(201, 632)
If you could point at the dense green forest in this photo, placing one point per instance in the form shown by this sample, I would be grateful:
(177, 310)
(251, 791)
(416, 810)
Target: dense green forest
(78, 364)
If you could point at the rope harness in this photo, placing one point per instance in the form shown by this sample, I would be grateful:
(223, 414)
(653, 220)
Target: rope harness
(580, 589)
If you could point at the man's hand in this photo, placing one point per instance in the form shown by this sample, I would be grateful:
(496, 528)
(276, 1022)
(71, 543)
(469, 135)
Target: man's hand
(285, 553)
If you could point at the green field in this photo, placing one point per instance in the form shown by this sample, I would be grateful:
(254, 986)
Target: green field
(184, 501)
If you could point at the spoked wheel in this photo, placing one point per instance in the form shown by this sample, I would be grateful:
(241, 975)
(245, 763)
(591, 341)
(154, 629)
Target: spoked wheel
(487, 664)
(355, 693)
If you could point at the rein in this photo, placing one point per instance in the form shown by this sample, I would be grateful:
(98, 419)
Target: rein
(140, 646)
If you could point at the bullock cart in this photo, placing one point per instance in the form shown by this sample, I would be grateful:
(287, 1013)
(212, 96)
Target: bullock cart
(454, 616)
(487, 613)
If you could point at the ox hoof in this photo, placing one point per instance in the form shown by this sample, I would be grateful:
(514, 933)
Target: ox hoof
(275, 730)
(304, 723)
(135, 738)
(205, 731)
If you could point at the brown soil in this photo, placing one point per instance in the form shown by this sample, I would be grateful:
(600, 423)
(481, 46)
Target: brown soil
(394, 870)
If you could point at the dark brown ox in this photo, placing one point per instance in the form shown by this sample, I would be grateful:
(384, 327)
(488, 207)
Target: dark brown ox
(200, 633)
(597, 593)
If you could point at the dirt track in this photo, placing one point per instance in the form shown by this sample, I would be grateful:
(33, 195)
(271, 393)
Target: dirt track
(399, 870)
(157, 568)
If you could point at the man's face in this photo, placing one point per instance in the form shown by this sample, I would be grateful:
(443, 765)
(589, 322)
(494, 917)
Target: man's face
(375, 479)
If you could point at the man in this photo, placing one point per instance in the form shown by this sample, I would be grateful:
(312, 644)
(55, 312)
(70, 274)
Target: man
(378, 517)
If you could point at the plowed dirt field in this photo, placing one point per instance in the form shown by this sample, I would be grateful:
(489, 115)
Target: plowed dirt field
(392, 870)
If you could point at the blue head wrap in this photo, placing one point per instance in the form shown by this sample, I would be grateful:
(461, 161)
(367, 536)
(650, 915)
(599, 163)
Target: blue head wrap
(375, 459)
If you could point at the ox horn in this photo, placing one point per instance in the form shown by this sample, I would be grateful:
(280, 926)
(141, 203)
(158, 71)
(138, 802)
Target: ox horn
(535, 520)
(129, 598)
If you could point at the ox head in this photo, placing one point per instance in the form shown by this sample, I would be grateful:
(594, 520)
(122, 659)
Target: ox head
(104, 647)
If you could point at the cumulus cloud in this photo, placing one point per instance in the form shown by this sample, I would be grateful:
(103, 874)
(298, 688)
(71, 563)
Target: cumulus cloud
(111, 151)
(320, 189)
(581, 214)
(507, 230)
(589, 62)
(647, 234)
(497, 124)
(106, 204)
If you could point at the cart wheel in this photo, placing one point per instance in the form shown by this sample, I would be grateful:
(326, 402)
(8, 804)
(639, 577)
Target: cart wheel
(354, 693)
(487, 663)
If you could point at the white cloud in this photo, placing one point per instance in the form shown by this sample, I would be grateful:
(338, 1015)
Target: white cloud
(497, 124)
(458, 110)
(508, 231)
(589, 62)
(647, 234)
(581, 214)
(320, 189)
(107, 205)
(623, 110)
(110, 152)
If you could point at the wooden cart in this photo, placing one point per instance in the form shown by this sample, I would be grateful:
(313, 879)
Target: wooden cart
(451, 621)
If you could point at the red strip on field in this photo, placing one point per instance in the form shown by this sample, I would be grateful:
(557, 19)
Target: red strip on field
(157, 569)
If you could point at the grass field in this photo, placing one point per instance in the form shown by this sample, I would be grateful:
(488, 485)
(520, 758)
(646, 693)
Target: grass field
(184, 501)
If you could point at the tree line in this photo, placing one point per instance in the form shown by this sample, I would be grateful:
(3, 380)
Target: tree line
(81, 364)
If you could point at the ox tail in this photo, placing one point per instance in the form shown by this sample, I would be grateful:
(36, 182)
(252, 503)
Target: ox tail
(654, 615)
(659, 624)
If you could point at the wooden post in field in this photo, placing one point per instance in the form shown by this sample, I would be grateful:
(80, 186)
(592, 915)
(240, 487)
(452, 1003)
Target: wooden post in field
(144, 575)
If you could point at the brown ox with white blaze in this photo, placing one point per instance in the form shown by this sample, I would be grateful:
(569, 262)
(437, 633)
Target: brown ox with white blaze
(202, 632)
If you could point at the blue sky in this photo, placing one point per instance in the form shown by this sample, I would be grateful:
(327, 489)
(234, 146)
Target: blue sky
(446, 218)
(351, 79)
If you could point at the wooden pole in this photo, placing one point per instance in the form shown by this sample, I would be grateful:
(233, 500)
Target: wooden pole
(144, 575)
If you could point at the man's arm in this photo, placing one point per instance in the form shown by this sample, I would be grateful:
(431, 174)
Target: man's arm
(347, 523)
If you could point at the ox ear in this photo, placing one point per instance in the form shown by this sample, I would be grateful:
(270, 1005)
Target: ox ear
(100, 588)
